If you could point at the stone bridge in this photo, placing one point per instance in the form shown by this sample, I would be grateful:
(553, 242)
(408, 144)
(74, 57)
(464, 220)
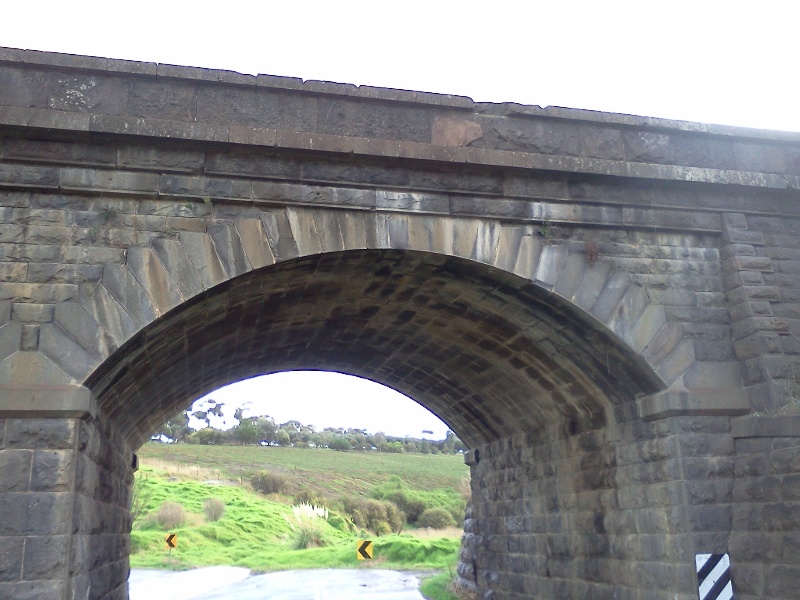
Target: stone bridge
(605, 308)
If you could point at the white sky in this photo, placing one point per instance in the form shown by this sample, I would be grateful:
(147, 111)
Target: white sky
(729, 62)
(329, 400)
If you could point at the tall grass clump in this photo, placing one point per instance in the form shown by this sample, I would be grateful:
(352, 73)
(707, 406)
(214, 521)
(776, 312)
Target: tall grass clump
(213, 508)
(268, 482)
(170, 515)
(307, 531)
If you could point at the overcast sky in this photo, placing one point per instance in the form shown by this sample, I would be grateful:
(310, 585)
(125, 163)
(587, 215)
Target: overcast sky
(711, 61)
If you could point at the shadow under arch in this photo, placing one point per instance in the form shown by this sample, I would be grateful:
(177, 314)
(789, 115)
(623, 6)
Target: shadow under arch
(490, 353)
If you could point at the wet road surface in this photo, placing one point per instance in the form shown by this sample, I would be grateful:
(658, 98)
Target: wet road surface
(216, 583)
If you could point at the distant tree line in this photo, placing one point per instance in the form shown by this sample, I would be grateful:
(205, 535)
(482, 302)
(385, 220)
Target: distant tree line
(263, 430)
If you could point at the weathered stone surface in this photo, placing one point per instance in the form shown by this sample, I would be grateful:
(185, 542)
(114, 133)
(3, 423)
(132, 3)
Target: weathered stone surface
(40, 433)
(531, 273)
(204, 258)
(15, 470)
(154, 277)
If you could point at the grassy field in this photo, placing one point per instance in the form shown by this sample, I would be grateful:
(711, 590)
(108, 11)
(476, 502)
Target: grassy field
(325, 472)
(263, 532)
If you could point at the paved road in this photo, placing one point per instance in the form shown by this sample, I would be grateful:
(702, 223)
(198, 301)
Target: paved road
(216, 583)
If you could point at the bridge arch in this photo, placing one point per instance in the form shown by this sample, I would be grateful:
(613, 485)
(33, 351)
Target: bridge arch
(528, 298)
(490, 353)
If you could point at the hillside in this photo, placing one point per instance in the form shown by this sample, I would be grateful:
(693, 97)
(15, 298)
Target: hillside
(268, 531)
(323, 472)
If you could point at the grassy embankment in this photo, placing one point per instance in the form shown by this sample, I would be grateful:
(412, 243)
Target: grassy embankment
(263, 533)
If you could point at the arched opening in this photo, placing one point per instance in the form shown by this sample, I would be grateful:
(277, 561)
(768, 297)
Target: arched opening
(541, 392)
(493, 355)
(315, 476)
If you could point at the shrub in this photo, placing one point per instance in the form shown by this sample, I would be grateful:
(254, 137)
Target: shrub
(414, 502)
(268, 482)
(170, 515)
(436, 518)
(378, 516)
(214, 508)
(411, 506)
(337, 521)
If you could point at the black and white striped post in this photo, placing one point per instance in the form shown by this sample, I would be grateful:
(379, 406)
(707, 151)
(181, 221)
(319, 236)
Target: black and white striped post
(714, 576)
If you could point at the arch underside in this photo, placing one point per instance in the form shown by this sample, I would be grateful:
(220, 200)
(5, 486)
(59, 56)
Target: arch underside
(490, 353)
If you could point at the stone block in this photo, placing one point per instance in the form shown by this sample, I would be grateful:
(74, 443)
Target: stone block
(11, 553)
(257, 108)
(15, 470)
(743, 236)
(374, 120)
(66, 353)
(119, 182)
(75, 321)
(29, 176)
(15, 199)
(780, 581)
(611, 296)
(126, 289)
(35, 513)
(58, 152)
(674, 364)
(747, 263)
(786, 460)
(709, 518)
(10, 339)
(13, 272)
(52, 434)
(272, 167)
(161, 159)
(254, 243)
(109, 313)
(53, 471)
(592, 285)
(229, 249)
(748, 578)
(32, 313)
(46, 557)
(200, 249)
(154, 278)
(178, 265)
(412, 202)
(34, 590)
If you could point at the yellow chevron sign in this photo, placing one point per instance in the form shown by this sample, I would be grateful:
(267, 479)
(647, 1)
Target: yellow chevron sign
(364, 549)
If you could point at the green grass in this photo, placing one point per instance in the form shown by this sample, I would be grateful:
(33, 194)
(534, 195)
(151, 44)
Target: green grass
(250, 523)
(438, 587)
(321, 471)
(259, 532)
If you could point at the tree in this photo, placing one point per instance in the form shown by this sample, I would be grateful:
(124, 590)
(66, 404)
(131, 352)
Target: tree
(266, 428)
(379, 440)
(245, 432)
(283, 437)
(176, 429)
(341, 443)
(207, 436)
